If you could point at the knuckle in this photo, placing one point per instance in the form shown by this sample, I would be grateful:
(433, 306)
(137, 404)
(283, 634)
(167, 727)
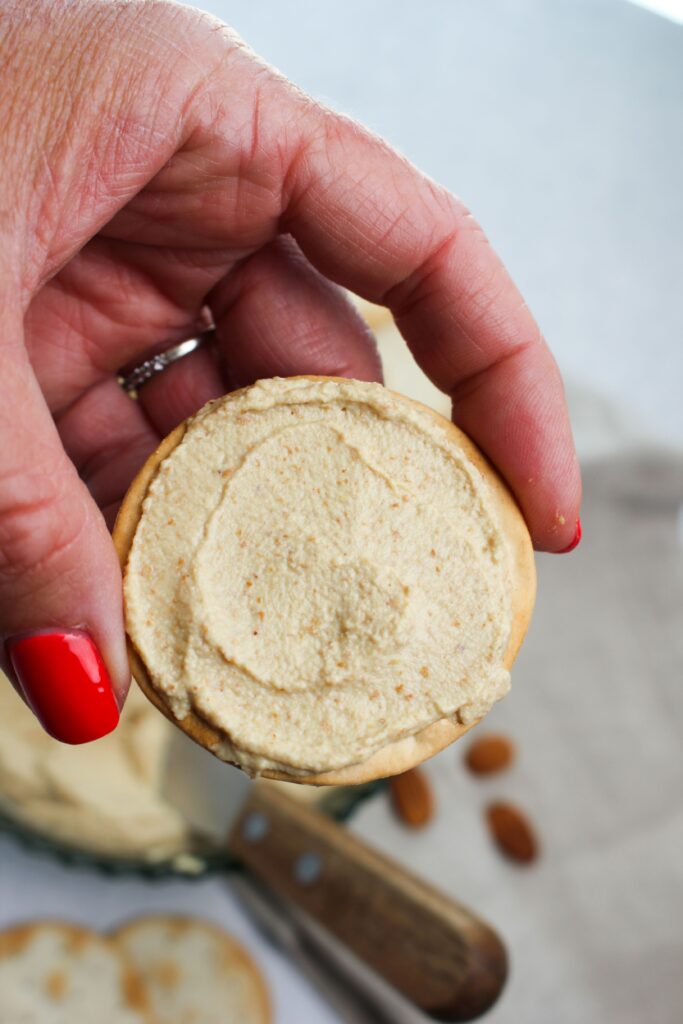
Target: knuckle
(418, 285)
(37, 529)
(192, 35)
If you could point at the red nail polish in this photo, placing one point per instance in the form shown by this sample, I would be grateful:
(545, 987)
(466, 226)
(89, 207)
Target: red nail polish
(575, 540)
(65, 683)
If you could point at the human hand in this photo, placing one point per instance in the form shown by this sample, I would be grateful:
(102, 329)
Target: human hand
(152, 167)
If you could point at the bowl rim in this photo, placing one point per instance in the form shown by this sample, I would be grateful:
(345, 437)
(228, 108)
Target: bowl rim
(339, 803)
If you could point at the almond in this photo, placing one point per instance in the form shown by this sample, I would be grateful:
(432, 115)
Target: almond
(412, 798)
(512, 832)
(490, 753)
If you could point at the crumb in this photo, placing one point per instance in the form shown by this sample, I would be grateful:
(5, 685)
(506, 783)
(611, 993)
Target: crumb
(56, 984)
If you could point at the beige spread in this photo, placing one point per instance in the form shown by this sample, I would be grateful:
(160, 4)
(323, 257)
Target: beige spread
(104, 797)
(319, 571)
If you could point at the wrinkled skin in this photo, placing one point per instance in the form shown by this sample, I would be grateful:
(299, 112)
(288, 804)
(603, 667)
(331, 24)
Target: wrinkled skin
(153, 167)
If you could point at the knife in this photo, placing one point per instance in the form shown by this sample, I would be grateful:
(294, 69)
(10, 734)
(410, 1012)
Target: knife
(343, 894)
(355, 992)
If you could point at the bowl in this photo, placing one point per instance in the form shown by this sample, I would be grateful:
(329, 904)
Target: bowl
(198, 860)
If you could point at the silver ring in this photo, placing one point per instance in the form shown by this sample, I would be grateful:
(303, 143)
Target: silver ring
(134, 380)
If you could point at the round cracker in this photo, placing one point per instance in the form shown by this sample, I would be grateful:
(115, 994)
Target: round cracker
(55, 977)
(160, 947)
(409, 751)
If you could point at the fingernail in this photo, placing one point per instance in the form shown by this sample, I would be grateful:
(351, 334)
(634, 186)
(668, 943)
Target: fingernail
(575, 540)
(65, 683)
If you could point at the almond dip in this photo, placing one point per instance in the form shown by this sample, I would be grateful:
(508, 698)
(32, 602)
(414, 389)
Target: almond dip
(319, 571)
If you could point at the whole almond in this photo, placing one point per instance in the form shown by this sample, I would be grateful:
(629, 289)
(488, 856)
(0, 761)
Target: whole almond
(490, 753)
(512, 832)
(412, 797)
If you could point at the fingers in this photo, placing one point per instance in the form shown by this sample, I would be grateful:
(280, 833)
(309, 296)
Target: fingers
(250, 156)
(276, 316)
(183, 388)
(516, 410)
(108, 438)
(112, 305)
(60, 584)
(371, 222)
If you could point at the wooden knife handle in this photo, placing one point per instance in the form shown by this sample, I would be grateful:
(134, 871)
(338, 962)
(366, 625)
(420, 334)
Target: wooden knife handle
(432, 949)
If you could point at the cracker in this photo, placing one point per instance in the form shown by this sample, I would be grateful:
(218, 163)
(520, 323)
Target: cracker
(409, 751)
(58, 973)
(192, 970)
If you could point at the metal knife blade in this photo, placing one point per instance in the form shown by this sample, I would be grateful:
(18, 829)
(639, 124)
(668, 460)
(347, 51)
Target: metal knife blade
(208, 792)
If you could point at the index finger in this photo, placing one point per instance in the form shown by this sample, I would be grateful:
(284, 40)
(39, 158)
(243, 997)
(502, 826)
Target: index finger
(370, 221)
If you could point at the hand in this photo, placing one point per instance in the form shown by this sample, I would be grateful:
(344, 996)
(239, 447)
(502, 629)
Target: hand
(151, 167)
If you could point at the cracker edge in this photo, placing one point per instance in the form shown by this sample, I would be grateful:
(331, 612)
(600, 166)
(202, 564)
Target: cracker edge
(409, 751)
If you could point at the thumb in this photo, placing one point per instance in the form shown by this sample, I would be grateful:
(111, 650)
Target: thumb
(61, 613)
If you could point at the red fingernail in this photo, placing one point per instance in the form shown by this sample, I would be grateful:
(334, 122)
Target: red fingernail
(65, 683)
(575, 540)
